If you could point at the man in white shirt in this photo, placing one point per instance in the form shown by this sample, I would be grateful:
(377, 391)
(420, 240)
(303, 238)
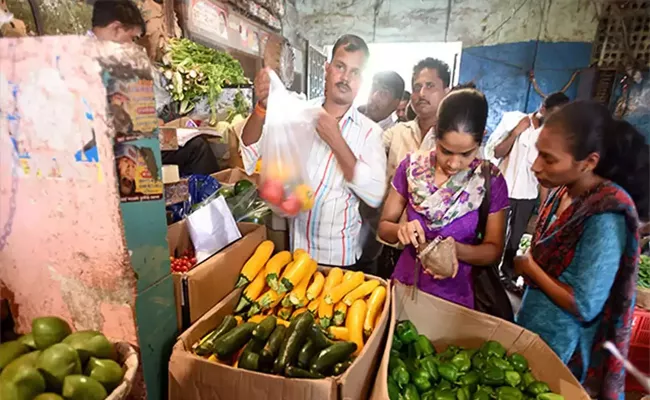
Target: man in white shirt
(519, 146)
(385, 95)
(347, 161)
(117, 21)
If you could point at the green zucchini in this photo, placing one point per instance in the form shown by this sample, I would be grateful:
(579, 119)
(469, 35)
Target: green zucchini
(318, 337)
(293, 341)
(234, 340)
(272, 346)
(341, 367)
(249, 361)
(264, 329)
(329, 356)
(306, 353)
(295, 372)
(206, 345)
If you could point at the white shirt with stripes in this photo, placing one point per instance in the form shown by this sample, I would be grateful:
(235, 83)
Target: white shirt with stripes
(330, 232)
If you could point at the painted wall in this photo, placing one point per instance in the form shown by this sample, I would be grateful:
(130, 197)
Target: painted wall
(62, 248)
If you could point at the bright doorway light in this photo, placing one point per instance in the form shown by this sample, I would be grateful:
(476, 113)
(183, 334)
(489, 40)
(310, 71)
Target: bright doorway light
(402, 57)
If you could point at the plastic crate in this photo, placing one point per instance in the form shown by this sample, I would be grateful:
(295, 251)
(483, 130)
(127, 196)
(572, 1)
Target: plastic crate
(639, 353)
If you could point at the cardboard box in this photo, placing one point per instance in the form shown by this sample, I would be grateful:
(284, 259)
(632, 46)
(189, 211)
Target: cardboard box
(194, 378)
(446, 323)
(199, 289)
(233, 175)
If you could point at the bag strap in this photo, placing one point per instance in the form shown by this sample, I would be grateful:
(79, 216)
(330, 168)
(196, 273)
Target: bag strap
(484, 209)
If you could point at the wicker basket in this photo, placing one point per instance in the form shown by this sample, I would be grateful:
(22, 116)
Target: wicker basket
(643, 298)
(128, 357)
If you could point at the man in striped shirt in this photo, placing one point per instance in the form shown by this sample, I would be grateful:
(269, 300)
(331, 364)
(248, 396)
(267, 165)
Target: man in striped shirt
(347, 160)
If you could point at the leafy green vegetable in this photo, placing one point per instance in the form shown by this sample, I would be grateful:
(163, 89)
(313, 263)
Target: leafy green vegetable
(195, 71)
(644, 272)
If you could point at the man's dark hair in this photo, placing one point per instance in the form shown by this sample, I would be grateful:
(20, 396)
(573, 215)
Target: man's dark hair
(433, 63)
(406, 96)
(124, 11)
(467, 85)
(351, 43)
(556, 99)
(391, 81)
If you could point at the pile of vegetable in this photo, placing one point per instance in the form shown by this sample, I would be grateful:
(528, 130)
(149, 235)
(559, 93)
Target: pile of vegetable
(195, 71)
(53, 363)
(644, 272)
(293, 320)
(183, 263)
(416, 371)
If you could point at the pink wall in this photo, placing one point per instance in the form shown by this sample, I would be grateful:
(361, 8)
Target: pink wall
(65, 254)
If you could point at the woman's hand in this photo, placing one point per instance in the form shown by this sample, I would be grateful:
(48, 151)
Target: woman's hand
(523, 264)
(411, 232)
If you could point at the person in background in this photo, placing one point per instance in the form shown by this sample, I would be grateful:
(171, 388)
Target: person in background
(430, 84)
(347, 159)
(523, 187)
(441, 190)
(117, 21)
(400, 113)
(385, 96)
(583, 264)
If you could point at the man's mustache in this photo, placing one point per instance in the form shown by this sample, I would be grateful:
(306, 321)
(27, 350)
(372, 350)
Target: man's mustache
(343, 85)
(422, 102)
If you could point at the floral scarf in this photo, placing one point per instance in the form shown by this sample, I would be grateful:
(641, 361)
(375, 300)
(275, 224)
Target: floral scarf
(460, 195)
(553, 248)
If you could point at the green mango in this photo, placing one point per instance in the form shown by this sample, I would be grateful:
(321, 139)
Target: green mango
(48, 396)
(9, 351)
(79, 387)
(48, 331)
(10, 370)
(28, 340)
(27, 381)
(107, 372)
(57, 362)
(91, 344)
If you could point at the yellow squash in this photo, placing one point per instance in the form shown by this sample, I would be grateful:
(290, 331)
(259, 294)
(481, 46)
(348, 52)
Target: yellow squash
(339, 333)
(256, 318)
(313, 305)
(361, 292)
(340, 311)
(375, 306)
(282, 322)
(354, 323)
(298, 252)
(316, 287)
(255, 264)
(345, 287)
(298, 295)
(266, 301)
(275, 266)
(251, 292)
(325, 314)
(292, 276)
(298, 312)
(285, 312)
(348, 275)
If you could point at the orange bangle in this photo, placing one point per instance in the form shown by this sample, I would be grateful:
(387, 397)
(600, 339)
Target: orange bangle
(260, 110)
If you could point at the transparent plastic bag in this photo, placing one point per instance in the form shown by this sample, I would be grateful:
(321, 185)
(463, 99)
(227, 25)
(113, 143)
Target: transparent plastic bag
(290, 129)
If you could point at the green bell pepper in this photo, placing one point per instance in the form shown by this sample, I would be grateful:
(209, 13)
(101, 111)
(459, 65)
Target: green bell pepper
(519, 362)
(406, 332)
(462, 361)
(527, 379)
(463, 393)
(449, 353)
(412, 365)
(509, 393)
(397, 343)
(430, 395)
(478, 361)
(429, 364)
(549, 396)
(500, 363)
(493, 348)
(400, 374)
(443, 385)
(411, 392)
(537, 387)
(481, 395)
(393, 389)
(423, 347)
(448, 371)
(421, 380)
(444, 394)
(493, 377)
(513, 378)
(470, 379)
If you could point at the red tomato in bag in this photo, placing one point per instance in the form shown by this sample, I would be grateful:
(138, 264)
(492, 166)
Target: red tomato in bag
(291, 205)
(272, 191)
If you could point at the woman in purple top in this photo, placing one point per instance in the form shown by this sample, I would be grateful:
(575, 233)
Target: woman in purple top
(442, 191)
